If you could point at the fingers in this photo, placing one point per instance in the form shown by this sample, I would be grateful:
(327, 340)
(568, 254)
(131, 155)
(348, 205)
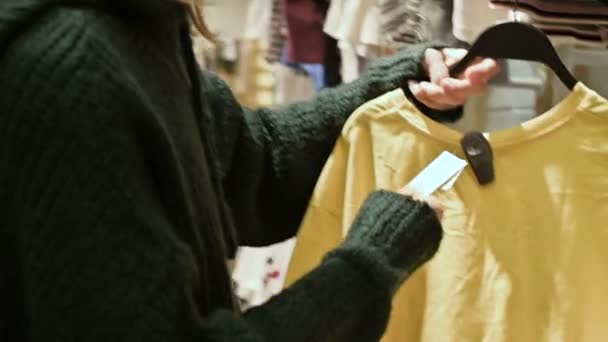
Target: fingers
(407, 191)
(480, 73)
(436, 66)
(423, 97)
(435, 204)
(481, 70)
(438, 94)
(435, 96)
(432, 201)
(462, 89)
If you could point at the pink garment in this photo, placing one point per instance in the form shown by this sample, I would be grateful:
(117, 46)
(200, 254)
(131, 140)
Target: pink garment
(306, 41)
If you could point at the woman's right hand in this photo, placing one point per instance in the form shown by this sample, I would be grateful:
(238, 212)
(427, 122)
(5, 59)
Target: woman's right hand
(432, 201)
(396, 232)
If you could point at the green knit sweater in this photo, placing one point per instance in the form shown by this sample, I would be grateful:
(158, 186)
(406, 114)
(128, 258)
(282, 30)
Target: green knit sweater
(128, 177)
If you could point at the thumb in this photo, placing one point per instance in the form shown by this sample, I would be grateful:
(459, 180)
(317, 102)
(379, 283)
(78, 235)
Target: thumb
(432, 201)
(435, 204)
(435, 63)
(407, 191)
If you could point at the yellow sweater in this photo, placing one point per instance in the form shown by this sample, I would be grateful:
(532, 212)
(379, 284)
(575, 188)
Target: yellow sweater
(523, 259)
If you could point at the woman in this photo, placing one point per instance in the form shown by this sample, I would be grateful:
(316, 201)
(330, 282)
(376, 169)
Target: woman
(128, 178)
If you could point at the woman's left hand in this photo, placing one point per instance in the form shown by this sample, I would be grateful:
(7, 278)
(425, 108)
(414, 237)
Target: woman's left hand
(444, 92)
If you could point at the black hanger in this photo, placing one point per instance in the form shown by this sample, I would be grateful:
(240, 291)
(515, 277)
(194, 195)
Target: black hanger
(516, 40)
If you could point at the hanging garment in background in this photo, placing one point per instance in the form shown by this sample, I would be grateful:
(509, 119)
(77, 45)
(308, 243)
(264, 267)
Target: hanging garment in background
(260, 272)
(254, 84)
(259, 19)
(582, 11)
(315, 71)
(592, 36)
(356, 22)
(413, 21)
(353, 65)
(522, 259)
(370, 36)
(355, 26)
(437, 25)
(297, 30)
(471, 17)
(401, 21)
(345, 19)
(278, 26)
(370, 29)
(581, 23)
(227, 17)
(307, 43)
(291, 85)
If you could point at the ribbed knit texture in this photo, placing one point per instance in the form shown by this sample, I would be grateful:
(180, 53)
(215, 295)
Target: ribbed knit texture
(404, 232)
(114, 225)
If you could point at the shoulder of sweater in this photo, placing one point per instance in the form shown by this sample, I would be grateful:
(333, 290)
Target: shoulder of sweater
(60, 90)
(66, 56)
(67, 40)
(216, 88)
(225, 107)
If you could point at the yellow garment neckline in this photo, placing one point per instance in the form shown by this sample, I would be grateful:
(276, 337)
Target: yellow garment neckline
(533, 128)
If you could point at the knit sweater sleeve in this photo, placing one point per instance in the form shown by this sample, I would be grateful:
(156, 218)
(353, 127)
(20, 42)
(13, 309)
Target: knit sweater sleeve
(100, 259)
(283, 151)
(96, 255)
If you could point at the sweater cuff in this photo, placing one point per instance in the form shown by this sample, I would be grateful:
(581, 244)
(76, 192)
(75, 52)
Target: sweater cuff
(405, 65)
(387, 217)
(392, 236)
(372, 265)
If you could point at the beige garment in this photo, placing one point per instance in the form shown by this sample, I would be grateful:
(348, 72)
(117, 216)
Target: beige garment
(344, 19)
(352, 65)
(370, 34)
(254, 82)
(356, 22)
(292, 86)
(227, 17)
(257, 24)
(471, 17)
(523, 259)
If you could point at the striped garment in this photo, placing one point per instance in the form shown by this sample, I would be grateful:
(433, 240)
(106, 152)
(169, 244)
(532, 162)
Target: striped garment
(586, 11)
(401, 21)
(276, 41)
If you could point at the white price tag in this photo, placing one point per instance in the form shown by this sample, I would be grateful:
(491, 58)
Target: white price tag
(440, 173)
